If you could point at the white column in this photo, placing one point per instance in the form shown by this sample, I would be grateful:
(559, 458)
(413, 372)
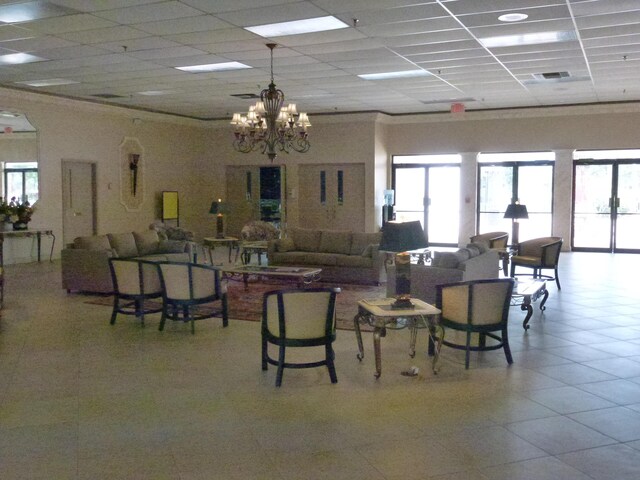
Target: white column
(562, 195)
(468, 196)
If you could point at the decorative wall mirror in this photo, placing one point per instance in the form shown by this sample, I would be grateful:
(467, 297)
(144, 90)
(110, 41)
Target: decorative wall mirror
(18, 157)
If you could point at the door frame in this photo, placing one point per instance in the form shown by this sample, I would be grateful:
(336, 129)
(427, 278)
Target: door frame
(94, 195)
(613, 214)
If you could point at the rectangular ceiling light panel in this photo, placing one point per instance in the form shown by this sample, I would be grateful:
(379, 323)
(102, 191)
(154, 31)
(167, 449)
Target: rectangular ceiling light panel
(48, 82)
(19, 58)
(388, 75)
(298, 27)
(214, 67)
(528, 39)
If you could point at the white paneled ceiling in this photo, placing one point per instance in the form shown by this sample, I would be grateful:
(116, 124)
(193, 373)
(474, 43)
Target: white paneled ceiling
(124, 52)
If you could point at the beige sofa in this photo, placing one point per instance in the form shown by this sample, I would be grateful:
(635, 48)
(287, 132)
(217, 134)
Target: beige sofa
(85, 262)
(474, 262)
(349, 257)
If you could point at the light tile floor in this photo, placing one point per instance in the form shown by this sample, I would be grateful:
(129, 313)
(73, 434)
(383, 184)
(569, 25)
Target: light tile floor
(80, 399)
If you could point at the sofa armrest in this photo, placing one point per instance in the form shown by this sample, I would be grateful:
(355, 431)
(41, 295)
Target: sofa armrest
(86, 270)
(424, 279)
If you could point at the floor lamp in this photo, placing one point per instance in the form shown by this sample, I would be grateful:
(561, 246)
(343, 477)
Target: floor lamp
(515, 212)
(219, 209)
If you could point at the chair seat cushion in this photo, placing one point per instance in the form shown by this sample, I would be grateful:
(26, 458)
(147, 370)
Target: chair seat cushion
(526, 261)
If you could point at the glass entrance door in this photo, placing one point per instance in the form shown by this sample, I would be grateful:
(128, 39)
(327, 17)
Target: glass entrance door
(606, 206)
(430, 194)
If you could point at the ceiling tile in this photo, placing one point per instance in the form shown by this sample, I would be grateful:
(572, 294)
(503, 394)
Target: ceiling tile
(272, 14)
(69, 23)
(186, 25)
(149, 13)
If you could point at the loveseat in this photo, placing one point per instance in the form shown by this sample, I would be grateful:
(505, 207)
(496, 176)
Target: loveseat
(349, 257)
(85, 262)
(474, 262)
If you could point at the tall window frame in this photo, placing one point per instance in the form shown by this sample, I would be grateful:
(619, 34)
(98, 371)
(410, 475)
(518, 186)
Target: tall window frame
(439, 209)
(20, 180)
(527, 178)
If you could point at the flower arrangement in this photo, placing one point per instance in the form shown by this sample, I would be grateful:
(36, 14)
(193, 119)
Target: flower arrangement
(16, 211)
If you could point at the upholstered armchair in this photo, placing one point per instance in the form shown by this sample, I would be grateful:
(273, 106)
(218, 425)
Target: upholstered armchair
(185, 286)
(538, 254)
(299, 318)
(135, 282)
(477, 308)
(259, 231)
(492, 239)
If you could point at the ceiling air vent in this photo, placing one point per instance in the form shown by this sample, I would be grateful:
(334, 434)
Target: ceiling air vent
(551, 76)
(245, 96)
(107, 95)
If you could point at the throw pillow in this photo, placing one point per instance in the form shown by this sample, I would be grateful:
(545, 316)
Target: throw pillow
(360, 241)
(124, 244)
(445, 260)
(171, 246)
(483, 247)
(332, 241)
(285, 245)
(94, 242)
(146, 241)
(473, 250)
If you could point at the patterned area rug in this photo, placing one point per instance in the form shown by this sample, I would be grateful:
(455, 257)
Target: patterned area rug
(247, 304)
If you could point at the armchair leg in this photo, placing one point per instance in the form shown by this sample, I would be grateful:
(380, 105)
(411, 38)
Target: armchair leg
(513, 270)
(280, 370)
(330, 365)
(163, 319)
(505, 346)
(265, 363)
(114, 314)
(467, 351)
(225, 311)
(557, 278)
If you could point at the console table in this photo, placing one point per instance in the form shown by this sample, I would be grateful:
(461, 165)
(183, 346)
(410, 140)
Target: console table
(37, 233)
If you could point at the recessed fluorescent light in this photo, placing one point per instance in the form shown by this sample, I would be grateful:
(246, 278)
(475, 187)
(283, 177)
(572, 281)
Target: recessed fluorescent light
(214, 67)
(528, 39)
(153, 93)
(513, 17)
(402, 74)
(297, 27)
(17, 58)
(49, 82)
(26, 12)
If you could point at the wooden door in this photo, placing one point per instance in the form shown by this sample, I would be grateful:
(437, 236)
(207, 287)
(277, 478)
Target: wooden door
(332, 196)
(78, 200)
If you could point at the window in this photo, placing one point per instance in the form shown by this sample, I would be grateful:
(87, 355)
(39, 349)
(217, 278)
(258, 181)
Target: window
(21, 181)
(525, 177)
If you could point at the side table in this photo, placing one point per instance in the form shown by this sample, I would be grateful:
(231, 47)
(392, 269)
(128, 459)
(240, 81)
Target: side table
(378, 313)
(210, 243)
(249, 248)
(527, 292)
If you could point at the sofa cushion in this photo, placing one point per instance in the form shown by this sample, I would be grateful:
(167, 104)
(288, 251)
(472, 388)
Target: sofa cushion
(94, 242)
(450, 259)
(354, 261)
(124, 244)
(473, 250)
(482, 247)
(147, 241)
(303, 258)
(171, 246)
(368, 251)
(333, 241)
(361, 240)
(285, 245)
(305, 240)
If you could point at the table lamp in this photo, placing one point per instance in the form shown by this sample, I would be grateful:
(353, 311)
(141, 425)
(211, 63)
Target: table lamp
(398, 238)
(219, 209)
(515, 212)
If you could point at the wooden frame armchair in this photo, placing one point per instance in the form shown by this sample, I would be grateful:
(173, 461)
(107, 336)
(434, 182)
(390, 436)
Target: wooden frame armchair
(185, 286)
(134, 282)
(299, 318)
(538, 254)
(492, 239)
(476, 307)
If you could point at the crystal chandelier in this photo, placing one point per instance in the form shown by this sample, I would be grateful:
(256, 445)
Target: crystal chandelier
(269, 125)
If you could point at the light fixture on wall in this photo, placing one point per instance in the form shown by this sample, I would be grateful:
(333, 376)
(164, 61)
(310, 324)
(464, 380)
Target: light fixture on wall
(515, 212)
(269, 125)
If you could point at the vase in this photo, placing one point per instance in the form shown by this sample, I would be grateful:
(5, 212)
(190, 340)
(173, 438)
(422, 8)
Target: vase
(20, 225)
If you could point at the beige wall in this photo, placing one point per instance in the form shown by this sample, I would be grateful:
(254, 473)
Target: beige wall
(190, 156)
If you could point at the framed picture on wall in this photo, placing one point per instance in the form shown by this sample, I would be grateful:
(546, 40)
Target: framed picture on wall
(170, 210)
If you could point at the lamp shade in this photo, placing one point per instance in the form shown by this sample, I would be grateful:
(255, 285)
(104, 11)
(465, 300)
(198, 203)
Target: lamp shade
(515, 211)
(218, 207)
(402, 236)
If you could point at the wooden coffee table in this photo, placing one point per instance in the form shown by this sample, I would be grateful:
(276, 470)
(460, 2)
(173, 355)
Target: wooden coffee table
(527, 292)
(301, 275)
